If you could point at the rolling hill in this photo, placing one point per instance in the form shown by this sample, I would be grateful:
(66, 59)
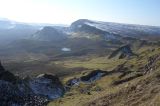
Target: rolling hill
(96, 64)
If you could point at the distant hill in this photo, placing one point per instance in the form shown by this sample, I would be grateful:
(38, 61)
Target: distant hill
(125, 30)
(49, 34)
(12, 30)
(83, 29)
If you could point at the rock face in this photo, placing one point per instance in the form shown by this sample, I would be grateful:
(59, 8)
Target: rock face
(72, 82)
(122, 52)
(28, 92)
(10, 95)
(89, 78)
(93, 76)
(47, 85)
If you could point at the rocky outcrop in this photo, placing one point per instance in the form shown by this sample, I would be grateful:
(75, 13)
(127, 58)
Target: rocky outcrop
(89, 78)
(122, 52)
(29, 91)
(47, 85)
(73, 81)
(11, 95)
(93, 76)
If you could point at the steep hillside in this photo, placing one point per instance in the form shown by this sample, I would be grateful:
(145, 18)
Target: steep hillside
(130, 82)
(125, 30)
(89, 31)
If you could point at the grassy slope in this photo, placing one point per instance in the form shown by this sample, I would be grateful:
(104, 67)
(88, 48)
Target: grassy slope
(75, 98)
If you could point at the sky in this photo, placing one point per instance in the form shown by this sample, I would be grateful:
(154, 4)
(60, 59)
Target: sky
(146, 12)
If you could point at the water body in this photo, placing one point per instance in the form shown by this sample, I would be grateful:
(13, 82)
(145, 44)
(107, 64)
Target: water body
(66, 49)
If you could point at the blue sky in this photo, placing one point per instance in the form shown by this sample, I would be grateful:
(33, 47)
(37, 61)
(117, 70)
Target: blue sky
(66, 11)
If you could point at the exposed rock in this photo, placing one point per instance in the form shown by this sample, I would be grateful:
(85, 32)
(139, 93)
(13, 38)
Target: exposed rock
(29, 91)
(72, 82)
(8, 76)
(122, 52)
(47, 85)
(89, 78)
(93, 76)
(10, 95)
